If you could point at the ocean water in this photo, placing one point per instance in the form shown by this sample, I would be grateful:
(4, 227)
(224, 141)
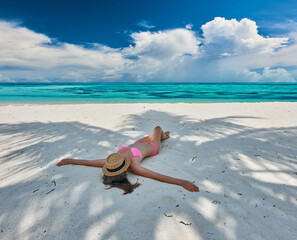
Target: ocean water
(146, 92)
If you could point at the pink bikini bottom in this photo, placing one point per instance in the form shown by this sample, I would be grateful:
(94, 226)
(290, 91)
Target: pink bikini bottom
(156, 150)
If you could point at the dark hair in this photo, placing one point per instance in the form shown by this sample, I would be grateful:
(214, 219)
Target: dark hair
(120, 181)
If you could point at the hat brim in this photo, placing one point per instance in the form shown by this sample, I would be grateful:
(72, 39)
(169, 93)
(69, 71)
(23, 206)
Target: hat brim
(124, 168)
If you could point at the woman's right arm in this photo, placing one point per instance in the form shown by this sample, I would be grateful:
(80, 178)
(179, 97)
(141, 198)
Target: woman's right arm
(92, 163)
(150, 174)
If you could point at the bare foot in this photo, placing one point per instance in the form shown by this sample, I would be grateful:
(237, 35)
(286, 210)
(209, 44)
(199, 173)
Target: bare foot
(165, 135)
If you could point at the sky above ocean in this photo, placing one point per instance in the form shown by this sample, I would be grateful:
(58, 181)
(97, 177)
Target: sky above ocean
(148, 41)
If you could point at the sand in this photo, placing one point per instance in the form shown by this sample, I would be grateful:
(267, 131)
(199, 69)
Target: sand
(243, 157)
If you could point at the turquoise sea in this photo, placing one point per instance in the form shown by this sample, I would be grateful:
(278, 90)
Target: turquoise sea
(146, 92)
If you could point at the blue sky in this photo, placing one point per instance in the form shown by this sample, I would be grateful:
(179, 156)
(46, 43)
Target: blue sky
(148, 41)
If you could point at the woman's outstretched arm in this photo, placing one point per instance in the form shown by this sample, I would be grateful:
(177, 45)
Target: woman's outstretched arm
(150, 174)
(92, 163)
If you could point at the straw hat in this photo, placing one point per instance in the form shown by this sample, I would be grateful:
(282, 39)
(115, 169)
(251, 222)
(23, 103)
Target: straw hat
(115, 164)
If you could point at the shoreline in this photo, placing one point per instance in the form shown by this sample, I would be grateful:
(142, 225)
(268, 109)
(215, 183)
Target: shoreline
(132, 103)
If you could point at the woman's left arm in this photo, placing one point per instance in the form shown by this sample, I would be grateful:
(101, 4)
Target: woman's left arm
(150, 174)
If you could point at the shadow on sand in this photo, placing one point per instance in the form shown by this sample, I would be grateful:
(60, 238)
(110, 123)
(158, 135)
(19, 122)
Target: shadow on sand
(241, 172)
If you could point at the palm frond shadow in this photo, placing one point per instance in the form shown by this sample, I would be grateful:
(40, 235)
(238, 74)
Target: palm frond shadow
(219, 154)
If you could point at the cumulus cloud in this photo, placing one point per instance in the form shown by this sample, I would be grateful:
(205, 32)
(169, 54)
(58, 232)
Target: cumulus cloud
(238, 37)
(276, 75)
(239, 47)
(227, 50)
(25, 50)
(157, 54)
(168, 44)
(267, 75)
(26, 54)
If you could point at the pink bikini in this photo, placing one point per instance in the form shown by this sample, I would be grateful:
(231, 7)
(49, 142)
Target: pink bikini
(136, 152)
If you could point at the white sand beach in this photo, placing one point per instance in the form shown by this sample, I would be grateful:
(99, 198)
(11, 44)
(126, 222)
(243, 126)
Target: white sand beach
(243, 157)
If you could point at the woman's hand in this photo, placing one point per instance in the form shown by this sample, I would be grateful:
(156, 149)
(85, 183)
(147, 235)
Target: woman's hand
(64, 162)
(190, 186)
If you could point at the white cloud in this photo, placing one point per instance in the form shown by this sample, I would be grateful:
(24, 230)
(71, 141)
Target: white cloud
(240, 37)
(267, 75)
(158, 53)
(228, 50)
(288, 26)
(168, 44)
(5, 79)
(238, 47)
(26, 54)
(225, 54)
(276, 75)
(23, 49)
(189, 26)
(146, 24)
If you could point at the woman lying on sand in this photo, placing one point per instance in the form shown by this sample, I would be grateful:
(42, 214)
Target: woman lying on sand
(127, 159)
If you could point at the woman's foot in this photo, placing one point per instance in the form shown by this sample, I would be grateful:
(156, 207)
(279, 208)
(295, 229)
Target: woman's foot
(165, 135)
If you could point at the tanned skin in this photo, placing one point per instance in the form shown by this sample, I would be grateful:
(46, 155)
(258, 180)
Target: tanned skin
(146, 150)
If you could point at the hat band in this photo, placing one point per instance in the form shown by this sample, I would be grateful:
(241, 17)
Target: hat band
(118, 168)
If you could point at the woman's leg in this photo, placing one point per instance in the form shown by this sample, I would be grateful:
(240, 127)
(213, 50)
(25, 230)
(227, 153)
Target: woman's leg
(156, 137)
